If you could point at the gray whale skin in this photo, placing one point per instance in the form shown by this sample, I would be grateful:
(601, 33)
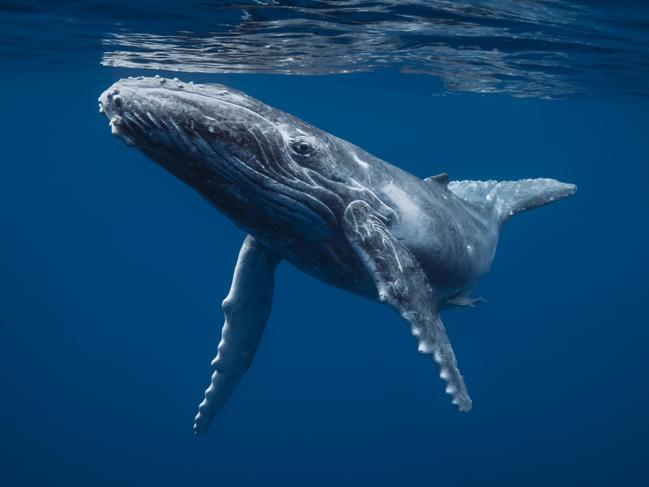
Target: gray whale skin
(326, 206)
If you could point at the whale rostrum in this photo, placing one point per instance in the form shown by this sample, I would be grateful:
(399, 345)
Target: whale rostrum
(324, 205)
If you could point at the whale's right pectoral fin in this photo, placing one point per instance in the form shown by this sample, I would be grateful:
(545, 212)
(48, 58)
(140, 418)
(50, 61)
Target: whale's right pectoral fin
(401, 282)
(246, 310)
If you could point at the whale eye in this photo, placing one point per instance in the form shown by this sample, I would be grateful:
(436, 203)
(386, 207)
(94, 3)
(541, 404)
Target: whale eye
(301, 147)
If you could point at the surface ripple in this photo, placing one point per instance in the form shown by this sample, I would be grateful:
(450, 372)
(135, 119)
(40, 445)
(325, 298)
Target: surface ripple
(528, 48)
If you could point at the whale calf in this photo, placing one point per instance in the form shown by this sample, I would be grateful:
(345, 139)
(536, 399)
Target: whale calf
(324, 205)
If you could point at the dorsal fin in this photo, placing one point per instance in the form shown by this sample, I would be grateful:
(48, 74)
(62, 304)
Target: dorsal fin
(439, 179)
(506, 198)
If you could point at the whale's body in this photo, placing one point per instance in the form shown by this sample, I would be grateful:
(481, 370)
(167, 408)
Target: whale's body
(324, 205)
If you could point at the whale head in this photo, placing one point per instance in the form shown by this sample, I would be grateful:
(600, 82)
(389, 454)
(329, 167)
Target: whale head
(206, 121)
(235, 150)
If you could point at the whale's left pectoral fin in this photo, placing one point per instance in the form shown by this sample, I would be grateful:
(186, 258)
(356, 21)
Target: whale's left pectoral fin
(246, 310)
(401, 282)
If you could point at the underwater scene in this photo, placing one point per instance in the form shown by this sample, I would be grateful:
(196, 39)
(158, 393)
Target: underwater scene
(324, 243)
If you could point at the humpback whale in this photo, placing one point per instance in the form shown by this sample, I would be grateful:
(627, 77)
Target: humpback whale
(324, 205)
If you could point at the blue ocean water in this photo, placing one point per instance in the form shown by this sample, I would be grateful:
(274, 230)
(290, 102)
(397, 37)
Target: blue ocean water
(113, 271)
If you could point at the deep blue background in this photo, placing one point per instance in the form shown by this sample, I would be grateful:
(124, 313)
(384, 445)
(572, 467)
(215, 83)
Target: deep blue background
(113, 273)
